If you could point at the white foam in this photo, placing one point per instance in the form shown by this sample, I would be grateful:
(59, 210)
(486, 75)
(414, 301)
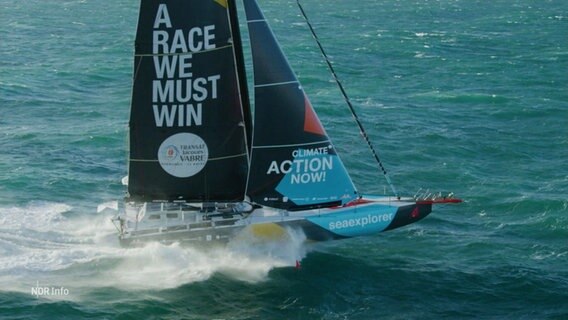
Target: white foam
(38, 215)
(167, 266)
(45, 242)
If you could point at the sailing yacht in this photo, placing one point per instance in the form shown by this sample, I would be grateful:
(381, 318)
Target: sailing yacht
(204, 166)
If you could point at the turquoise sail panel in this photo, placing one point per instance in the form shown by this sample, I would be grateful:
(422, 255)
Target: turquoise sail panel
(319, 178)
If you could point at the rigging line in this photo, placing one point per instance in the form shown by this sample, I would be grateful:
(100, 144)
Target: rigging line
(361, 128)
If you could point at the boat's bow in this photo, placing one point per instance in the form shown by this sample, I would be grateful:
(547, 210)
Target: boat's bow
(417, 209)
(368, 215)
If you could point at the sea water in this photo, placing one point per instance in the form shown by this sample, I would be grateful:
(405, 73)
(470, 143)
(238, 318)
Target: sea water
(463, 96)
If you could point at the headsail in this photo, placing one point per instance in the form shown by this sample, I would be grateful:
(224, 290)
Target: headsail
(293, 163)
(187, 128)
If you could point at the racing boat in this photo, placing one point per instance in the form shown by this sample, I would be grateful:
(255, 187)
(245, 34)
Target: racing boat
(204, 167)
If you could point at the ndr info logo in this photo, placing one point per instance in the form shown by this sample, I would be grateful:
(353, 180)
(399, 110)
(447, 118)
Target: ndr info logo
(43, 291)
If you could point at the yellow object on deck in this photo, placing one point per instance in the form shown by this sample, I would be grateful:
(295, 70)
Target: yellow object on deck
(268, 231)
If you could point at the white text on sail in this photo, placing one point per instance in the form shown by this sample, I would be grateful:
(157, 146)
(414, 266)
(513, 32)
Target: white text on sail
(177, 96)
(308, 166)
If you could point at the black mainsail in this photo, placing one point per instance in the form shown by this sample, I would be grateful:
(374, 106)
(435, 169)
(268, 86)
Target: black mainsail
(293, 162)
(188, 130)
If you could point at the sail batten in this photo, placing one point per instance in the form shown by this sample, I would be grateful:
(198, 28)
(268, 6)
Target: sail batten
(290, 145)
(275, 84)
(182, 53)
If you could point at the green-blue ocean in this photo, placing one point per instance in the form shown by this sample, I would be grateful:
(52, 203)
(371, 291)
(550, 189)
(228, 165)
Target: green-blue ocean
(469, 97)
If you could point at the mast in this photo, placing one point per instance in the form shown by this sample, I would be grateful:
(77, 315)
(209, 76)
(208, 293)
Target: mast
(241, 71)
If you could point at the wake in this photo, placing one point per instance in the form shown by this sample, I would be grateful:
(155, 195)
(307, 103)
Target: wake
(48, 244)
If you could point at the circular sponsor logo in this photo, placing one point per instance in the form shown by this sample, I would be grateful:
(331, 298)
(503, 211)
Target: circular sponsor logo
(183, 155)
